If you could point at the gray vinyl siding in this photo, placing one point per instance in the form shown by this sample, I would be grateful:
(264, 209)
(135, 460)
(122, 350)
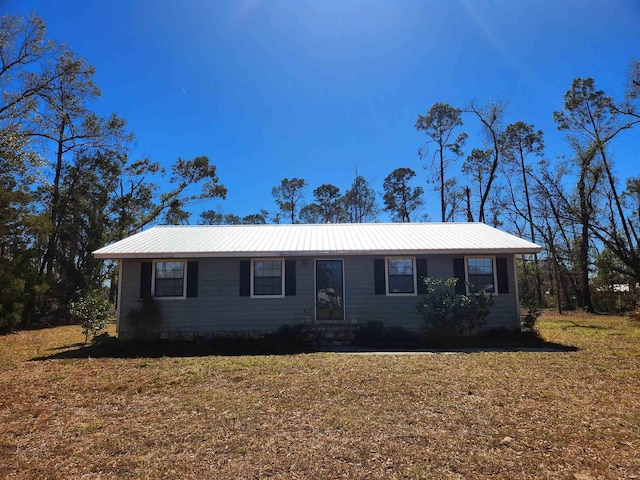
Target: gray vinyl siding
(220, 308)
(363, 305)
(504, 312)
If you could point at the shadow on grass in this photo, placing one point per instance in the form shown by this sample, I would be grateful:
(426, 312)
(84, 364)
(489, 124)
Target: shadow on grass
(375, 336)
(13, 329)
(73, 345)
(111, 347)
(573, 324)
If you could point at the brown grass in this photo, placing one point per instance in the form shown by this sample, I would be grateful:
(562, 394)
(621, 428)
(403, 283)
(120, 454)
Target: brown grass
(572, 415)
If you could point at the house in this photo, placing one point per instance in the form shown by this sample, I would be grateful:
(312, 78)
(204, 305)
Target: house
(255, 278)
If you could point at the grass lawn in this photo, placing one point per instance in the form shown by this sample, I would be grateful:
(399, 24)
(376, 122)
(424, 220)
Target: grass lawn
(570, 414)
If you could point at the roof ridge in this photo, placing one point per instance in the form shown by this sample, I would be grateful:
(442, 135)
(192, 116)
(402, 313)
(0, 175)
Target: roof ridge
(341, 224)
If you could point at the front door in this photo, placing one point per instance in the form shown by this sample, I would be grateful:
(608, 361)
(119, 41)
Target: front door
(329, 290)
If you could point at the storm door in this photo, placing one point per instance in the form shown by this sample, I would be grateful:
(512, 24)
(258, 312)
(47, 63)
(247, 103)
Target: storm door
(329, 290)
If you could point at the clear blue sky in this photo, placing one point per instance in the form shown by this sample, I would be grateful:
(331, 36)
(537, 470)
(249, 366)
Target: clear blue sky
(316, 89)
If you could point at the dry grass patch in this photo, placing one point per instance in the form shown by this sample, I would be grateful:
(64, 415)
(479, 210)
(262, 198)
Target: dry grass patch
(474, 415)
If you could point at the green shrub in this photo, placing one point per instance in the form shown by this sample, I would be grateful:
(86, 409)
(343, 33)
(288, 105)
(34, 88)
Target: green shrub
(369, 335)
(92, 312)
(449, 314)
(288, 338)
(376, 335)
(146, 319)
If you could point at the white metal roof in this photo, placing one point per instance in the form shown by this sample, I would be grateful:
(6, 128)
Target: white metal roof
(340, 238)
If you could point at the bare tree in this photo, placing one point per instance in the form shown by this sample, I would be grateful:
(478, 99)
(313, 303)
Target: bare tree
(490, 117)
(592, 116)
(521, 140)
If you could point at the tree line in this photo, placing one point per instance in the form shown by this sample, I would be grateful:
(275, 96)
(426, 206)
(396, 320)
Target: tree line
(575, 206)
(359, 204)
(68, 185)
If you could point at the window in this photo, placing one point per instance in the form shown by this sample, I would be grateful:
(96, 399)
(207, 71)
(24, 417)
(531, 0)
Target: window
(401, 278)
(169, 279)
(267, 277)
(481, 274)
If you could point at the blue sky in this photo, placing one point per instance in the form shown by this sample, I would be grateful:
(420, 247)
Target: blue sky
(318, 89)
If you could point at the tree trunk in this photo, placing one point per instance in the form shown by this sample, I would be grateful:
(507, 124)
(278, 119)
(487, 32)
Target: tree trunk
(47, 263)
(442, 200)
(585, 222)
(532, 230)
(554, 268)
(467, 196)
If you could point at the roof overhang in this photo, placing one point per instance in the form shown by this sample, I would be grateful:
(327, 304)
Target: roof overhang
(317, 240)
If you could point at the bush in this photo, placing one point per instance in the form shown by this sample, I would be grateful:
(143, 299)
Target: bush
(449, 314)
(288, 338)
(92, 312)
(529, 319)
(146, 319)
(376, 335)
(369, 335)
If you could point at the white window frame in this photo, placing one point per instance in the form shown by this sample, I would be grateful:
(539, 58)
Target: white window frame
(495, 274)
(184, 278)
(268, 259)
(415, 276)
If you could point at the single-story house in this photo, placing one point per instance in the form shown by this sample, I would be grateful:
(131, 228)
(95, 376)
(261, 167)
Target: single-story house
(255, 278)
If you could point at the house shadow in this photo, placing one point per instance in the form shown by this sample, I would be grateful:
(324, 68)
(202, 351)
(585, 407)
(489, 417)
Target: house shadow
(111, 347)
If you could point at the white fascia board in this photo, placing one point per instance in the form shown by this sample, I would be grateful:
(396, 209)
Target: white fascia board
(182, 255)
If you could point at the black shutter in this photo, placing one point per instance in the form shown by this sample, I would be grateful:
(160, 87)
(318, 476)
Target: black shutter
(379, 277)
(421, 271)
(245, 278)
(290, 277)
(145, 278)
(458, 272)
(503, 275)
(192, 279)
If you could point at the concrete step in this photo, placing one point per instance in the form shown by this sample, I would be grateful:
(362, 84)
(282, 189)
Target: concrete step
(331, 334)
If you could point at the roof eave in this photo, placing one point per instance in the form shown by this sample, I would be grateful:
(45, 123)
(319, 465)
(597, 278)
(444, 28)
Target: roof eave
(150, 255)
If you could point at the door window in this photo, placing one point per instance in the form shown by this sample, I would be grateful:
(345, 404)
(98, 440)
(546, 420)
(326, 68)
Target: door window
(329, 290)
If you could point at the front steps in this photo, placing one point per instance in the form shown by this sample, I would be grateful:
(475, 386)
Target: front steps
(330, 334)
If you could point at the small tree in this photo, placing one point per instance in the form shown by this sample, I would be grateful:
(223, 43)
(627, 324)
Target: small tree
(529, 319)
(447, 313)
(92, 312)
